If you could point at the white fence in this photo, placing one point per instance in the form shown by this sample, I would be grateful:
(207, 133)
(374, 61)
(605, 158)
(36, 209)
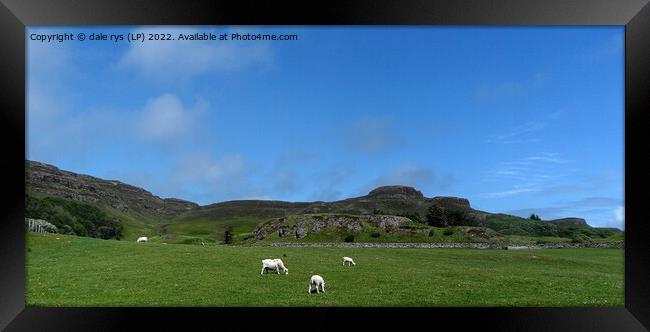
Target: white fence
(40, 226)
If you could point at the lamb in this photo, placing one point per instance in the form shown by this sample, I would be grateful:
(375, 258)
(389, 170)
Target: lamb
(316, 281)
(142, 239)
(274, 264)
(349, 261)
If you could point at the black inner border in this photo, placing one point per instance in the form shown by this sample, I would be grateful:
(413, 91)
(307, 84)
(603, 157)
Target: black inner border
(15, 15)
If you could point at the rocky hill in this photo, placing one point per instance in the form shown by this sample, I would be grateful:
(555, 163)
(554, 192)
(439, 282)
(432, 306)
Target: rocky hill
(569, 222)
(52, 181)
(394, 200)
(74, 199)
(388, 200)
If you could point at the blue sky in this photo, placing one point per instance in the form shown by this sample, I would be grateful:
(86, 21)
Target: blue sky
(519, 120)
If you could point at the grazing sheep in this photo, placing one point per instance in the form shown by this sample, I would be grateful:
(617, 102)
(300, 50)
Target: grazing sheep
(316, 281)
(142, 239)
(349, 261)
(274, 264)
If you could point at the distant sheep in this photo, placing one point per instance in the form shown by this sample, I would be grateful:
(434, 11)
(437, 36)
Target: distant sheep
(349, 261)
(316, 281)
(274, 264)
(142, 239)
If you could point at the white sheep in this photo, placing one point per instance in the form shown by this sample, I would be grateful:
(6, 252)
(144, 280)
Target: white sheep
(316, 281)
(142, 239)
(274, 264)
(349, 261)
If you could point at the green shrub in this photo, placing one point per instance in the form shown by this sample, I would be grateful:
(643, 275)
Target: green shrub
(443, 216)
(375, 234)
(431, 233)
(227, 235)
(513, 225)
(412, 215)
(66, 229)
(581, 238)
(448, 231)
(70, 216)
(349, 238)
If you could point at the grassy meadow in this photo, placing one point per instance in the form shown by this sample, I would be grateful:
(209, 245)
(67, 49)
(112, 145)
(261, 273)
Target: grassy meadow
(65, 270)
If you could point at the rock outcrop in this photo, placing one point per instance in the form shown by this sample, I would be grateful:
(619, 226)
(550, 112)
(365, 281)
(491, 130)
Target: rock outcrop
(302, 225)
(570, 222)
(396, 191)
(50, 180)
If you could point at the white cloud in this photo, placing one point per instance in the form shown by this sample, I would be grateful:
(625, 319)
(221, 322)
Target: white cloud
(165, 117)
(169, 60)
(619, 215)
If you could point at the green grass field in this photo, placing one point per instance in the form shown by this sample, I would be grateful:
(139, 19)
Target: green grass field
(78, 271)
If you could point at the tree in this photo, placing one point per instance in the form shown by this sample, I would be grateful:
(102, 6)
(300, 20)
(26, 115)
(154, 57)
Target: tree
(227, 235)
(440, 216)
(458, 217)
(106, 232)
(436, 216)
(414, 216)
(534, 217)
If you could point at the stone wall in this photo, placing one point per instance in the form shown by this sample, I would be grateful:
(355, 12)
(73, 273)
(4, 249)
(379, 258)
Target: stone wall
(444, 245)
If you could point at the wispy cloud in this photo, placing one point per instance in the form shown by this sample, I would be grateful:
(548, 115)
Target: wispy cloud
(420, 177)
(598, 211)
(528, 132)
(547, 157)
(285, 182)
(372, 135)
(329, 181)
(526, 175)
(512, 192)
(165, 60)
(209, 179)
(506, 89)
(520, 134)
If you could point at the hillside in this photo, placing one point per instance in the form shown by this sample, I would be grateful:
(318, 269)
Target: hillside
(394, 200)
(49, 180)
(131, 212)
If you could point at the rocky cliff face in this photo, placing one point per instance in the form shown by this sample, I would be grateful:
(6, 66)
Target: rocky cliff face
(397, 192)
(570, 222)
(47, 179)
(301, 225)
